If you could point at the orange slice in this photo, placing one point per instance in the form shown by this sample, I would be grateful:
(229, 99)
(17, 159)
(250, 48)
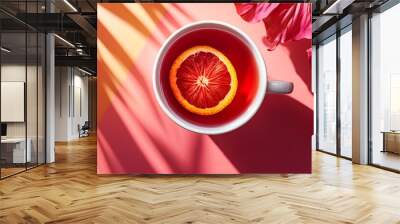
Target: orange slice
(203, 80)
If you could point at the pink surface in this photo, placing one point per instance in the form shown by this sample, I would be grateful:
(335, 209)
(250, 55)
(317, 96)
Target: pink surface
(134, 136)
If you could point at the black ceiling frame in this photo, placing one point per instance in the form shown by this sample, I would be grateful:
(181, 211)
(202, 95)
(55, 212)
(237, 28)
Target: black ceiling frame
(385, 6)
(341, 21)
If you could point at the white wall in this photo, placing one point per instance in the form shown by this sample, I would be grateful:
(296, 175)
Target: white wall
(71, 102)
(62, 82)
(12, 73)
(81, 102)
(33, 127)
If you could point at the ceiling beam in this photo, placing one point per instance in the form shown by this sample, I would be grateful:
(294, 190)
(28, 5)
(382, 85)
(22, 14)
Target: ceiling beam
(337, 7)
(78, 61)
(49, 22)
(320, 22)
(84, 24)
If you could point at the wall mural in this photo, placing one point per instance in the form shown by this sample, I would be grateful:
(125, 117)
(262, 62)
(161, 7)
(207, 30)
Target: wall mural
(204, 88)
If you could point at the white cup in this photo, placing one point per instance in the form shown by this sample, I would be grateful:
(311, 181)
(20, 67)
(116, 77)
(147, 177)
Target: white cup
(264, 85)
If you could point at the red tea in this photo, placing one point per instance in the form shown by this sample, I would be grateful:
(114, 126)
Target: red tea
(242, 59)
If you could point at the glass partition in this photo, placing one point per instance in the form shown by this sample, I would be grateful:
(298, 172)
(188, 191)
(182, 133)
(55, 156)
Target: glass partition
(31, 99)
(327, 95)
(32, 86)
(385, 89)
(41, 107)
(14, 153)
(346, 92)
(22, 67)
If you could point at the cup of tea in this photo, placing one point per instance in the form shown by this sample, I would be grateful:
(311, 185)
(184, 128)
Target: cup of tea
(251, 73)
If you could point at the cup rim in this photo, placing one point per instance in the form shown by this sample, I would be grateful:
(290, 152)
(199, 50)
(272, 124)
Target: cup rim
(246, 115)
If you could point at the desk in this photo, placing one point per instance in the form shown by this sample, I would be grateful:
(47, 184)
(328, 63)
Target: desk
(391, 141)
(13, 150)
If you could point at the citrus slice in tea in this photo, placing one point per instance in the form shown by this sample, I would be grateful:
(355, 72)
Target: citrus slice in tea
(203, 80)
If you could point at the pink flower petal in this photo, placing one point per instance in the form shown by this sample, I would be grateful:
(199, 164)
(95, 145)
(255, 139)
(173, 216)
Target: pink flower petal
(288, 22)
(283, 21)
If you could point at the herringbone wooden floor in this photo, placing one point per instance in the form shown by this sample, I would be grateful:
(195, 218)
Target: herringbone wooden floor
(69, 191)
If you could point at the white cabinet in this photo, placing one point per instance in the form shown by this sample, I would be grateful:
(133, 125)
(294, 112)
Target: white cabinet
(16, 149)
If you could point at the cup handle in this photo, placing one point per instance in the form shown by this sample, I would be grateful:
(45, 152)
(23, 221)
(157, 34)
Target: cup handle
(279, 87)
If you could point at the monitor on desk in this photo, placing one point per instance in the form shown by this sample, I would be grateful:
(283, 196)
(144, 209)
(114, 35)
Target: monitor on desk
(3, 130)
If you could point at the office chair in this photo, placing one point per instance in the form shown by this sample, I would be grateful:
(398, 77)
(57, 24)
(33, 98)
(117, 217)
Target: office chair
(84, 130)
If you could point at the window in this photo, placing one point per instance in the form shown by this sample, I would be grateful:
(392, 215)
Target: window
(346, 92)
(327, 95)
(22, 76)
(385, 89)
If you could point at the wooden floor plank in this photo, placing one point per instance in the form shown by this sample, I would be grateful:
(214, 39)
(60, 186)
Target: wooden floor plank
(70, 191)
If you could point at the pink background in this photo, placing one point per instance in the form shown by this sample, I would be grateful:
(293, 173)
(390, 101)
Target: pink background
(134, 136)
